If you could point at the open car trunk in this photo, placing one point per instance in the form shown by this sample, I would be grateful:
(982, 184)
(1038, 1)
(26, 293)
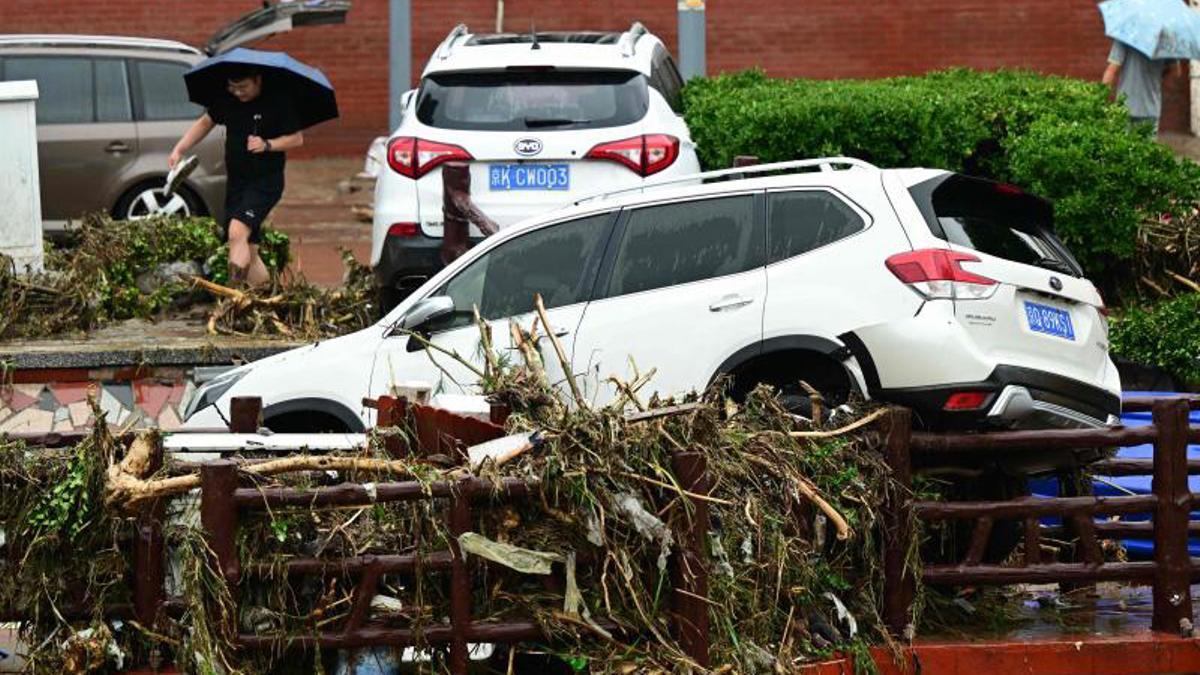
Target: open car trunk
(280, 17)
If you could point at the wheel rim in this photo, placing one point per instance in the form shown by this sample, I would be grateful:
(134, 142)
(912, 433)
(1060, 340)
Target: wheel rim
(154, 201)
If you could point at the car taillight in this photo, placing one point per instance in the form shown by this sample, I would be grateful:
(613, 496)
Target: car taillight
(967, 400)
(404, 230)
(935, 273)
(645, 155)
(415, 157)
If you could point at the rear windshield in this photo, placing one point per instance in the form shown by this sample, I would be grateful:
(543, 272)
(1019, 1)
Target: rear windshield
(520, 100)
(995, 219)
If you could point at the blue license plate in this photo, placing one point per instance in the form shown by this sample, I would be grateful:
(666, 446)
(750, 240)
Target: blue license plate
(529, 177)
(1049, 320)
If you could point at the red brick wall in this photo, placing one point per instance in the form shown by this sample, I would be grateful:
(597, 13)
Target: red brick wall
(810, 38)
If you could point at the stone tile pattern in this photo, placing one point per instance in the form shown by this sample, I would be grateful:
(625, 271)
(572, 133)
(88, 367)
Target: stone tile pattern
(63, 406)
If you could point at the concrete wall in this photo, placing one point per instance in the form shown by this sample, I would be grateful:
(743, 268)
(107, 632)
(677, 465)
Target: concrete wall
(792, 38)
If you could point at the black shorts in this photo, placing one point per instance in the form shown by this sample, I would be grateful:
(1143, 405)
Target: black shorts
(250, 202)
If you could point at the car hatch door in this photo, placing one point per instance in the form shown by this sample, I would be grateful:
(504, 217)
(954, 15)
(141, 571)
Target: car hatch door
(280, 17)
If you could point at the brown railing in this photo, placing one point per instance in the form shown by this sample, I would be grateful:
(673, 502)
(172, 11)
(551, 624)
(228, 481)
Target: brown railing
(1170, 504)
(224, 503)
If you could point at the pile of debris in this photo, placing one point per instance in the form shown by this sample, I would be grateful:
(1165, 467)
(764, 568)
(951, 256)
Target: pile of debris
(794, 533)
(152, 268)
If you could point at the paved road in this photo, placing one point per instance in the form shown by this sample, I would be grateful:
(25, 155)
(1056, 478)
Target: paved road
(317, 216)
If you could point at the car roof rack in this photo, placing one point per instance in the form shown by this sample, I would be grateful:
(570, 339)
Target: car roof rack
(823, 163)
(458, 31)
(108, 41)
(629, 40)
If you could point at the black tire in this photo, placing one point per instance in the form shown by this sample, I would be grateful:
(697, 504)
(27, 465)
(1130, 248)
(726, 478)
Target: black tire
(305, 422)
(131, 204)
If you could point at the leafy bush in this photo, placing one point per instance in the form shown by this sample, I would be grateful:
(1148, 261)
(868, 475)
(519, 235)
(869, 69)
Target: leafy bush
(93, 277)
(1058, 137)
(1167, 336)
(118, 252)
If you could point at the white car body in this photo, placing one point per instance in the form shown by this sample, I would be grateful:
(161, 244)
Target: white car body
(834, 297)
(410, 209)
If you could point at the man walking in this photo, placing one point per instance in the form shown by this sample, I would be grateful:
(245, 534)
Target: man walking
(1139, 79)
(261, 125)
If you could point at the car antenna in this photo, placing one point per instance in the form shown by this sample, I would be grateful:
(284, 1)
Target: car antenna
(533, 35)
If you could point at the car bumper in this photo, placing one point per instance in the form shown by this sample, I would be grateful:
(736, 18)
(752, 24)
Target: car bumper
(1017, 398)
(407, 262)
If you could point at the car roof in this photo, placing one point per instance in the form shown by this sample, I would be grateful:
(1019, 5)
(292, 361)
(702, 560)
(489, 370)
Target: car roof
(466, 51)
(776, 176)
(97, 42)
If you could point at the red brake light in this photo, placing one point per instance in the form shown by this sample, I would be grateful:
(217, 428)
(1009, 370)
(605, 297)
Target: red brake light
(936, 273)
(644, 155)
(967, 400)
(404, 230)
(415, 157)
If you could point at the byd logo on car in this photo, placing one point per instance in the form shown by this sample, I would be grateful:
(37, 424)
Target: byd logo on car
(527, 147)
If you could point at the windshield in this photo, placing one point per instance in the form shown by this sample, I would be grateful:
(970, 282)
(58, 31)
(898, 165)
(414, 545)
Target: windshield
(519, 100)
(995, 219)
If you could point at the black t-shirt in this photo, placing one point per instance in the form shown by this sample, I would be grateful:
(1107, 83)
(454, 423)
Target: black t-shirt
(268, 116)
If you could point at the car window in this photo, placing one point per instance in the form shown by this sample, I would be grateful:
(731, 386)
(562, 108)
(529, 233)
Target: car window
(163, 92)
(801, 221)
(112, 92)
(993, 218)
(558, 261)
(65, 87)
(687, 241)
(665, 77)
(520, 100)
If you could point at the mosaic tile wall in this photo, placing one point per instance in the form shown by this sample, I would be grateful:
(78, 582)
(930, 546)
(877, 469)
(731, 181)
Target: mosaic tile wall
(42, 407)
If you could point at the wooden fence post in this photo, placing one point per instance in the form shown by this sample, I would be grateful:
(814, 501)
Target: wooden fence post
(460, 578)
(245, 414)
(219, 516)
(148, 561)
(898, 584)
(689, 571)
(1172, 566)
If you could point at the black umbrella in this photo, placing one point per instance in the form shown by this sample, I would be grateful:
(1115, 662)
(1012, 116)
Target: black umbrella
(308, 88)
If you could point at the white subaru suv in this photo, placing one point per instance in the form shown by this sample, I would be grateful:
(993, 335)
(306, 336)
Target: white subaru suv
(942, 292)
(542, 118)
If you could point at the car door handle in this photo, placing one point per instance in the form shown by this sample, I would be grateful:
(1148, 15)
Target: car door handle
(729, 302)
(117, 147)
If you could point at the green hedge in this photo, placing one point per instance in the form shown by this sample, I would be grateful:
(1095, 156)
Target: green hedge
(1166, 335)
(1058, 137)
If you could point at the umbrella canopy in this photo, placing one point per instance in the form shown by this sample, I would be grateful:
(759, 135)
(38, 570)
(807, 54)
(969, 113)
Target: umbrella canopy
(308, 88)
(1160, 29)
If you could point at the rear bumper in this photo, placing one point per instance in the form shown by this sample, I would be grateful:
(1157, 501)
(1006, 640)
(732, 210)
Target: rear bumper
(407, 262)
(1053, 401)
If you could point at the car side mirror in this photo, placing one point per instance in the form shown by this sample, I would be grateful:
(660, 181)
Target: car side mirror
(423, 312)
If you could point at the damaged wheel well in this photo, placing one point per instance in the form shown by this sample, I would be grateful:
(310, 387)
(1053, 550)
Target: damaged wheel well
(785, 368)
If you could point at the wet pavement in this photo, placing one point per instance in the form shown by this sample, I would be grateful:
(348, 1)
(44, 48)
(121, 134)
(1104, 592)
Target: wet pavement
(317, 213)
(1042, 612)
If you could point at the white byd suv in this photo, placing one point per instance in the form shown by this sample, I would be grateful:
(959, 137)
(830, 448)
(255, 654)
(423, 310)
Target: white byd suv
(543, 119)
(945, 293)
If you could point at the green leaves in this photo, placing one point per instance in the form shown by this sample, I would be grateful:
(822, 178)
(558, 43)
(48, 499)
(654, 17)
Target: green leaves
(1167, 335)
(1059, 137)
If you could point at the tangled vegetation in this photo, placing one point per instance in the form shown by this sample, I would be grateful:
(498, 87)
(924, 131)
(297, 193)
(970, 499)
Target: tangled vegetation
(110, 270)
(1166, 335)
(793, 543)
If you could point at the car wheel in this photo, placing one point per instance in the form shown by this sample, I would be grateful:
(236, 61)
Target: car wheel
(149, 198)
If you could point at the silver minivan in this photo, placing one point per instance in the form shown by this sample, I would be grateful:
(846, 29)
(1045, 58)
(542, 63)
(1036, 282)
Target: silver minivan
(111, 108)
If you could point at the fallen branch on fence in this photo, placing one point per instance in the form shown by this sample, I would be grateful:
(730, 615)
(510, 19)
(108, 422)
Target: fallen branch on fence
(858, 424)
(129, 489)
(806, 488)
